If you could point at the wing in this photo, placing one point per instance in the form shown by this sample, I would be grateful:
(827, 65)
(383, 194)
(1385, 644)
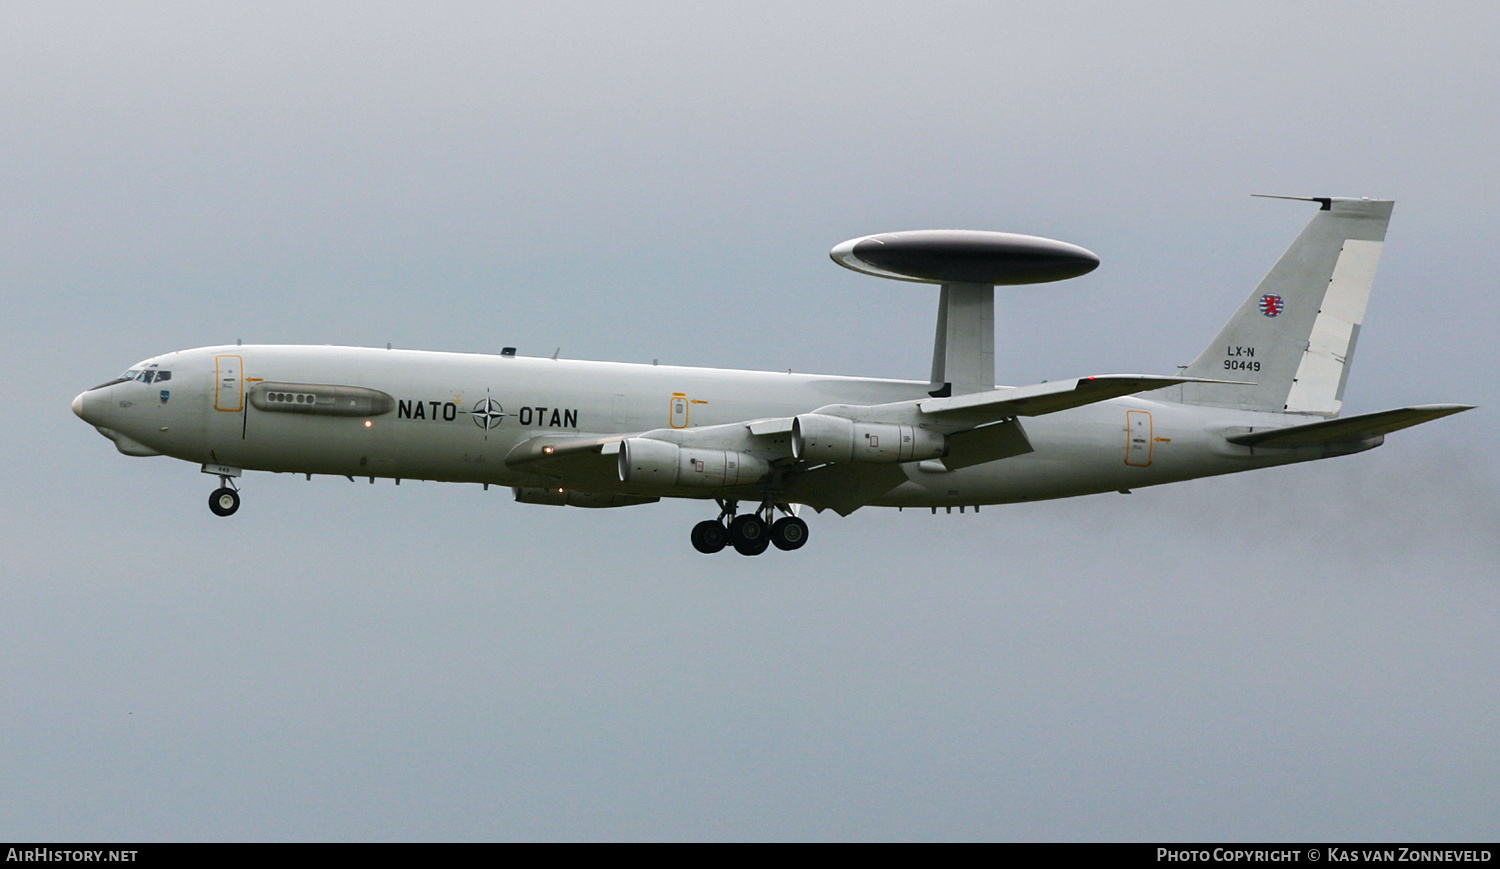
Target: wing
(590, 459)
(586, 462)
(1044, 398)
(841, 467)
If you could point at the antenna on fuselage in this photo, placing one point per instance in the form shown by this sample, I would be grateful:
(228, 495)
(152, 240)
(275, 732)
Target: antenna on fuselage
(968, 265)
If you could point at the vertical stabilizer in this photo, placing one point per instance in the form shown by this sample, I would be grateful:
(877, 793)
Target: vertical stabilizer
(1294, 337)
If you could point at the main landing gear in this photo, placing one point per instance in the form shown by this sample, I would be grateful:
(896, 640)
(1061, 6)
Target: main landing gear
(749, 533)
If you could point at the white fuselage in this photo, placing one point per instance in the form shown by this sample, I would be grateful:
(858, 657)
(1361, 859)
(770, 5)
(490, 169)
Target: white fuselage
(457, 416)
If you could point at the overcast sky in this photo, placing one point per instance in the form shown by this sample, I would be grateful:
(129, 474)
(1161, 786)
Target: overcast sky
(1300, 653)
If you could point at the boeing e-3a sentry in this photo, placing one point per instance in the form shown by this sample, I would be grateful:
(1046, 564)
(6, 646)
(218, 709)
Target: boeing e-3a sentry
(1266, 391)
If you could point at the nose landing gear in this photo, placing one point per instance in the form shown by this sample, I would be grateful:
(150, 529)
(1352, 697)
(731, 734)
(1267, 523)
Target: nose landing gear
(224, 500)
(750, 533)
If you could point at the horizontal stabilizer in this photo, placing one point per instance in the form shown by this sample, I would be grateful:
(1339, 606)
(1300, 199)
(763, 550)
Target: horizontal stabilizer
(1043, 398)
(1364, 427)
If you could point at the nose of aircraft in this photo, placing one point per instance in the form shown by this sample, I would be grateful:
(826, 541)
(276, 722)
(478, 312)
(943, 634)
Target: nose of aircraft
(86, 406)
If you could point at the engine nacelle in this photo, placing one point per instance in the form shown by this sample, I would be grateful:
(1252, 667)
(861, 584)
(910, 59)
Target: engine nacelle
(654, 463)
(818, 437)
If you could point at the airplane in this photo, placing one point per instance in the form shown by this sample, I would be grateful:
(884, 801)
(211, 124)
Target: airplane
(1266, 391)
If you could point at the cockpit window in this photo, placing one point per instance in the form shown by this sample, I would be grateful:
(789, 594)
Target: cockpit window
(144, 375)
(123, 378)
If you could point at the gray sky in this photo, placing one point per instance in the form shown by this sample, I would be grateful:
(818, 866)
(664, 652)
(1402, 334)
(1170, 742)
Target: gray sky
(1300, 653)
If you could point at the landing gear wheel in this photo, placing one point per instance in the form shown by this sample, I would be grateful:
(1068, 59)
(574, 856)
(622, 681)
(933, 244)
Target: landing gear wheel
(748, 528)
(224, 501)
(749, 534)
(753, 547)
(789, 533)
(709, 536)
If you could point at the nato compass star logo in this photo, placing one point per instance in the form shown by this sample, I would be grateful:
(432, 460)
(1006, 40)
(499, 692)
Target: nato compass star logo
(487, 413)
(1272, 304)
